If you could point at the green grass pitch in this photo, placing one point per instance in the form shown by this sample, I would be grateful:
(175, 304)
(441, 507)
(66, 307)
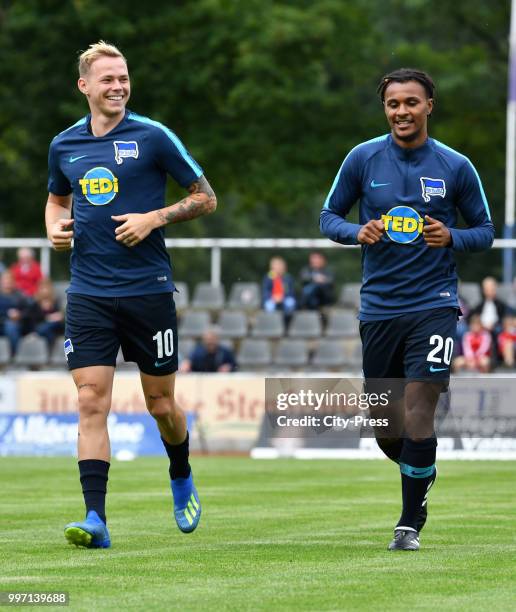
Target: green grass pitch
(275, 535)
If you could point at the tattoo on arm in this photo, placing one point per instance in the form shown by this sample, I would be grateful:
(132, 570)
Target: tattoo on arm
(200, 201)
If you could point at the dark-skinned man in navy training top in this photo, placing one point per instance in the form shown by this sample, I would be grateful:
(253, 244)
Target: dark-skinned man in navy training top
(107, 182)
(410, 190)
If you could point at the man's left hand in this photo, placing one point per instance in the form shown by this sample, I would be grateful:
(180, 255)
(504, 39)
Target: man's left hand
(134, 229)
(435, 233)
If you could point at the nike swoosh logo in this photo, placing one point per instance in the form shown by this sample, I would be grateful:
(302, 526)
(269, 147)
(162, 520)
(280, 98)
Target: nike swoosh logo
(74, 159)
(432, 369)
(375, 185)
(158, 364)
(414, 473)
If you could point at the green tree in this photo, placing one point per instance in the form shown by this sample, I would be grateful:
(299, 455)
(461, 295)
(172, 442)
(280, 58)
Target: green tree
(269, 96)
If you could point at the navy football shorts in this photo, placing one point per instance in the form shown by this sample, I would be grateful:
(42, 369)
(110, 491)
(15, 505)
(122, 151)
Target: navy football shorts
(145, 326)
(416, 346)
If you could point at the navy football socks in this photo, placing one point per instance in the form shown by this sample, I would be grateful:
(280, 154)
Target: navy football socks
(391, 447)
(178, 455)
(417, 467)
(94, 477)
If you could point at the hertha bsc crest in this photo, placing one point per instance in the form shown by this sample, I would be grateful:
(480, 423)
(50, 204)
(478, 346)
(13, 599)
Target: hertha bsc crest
(432, 187)
(124, 150)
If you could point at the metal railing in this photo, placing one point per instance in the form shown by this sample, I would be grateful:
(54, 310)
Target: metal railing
(215, 245)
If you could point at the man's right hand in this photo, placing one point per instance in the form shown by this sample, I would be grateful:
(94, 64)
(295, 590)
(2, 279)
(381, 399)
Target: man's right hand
(371, 232)
(61, 235)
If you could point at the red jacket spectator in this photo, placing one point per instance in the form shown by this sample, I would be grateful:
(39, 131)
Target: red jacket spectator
(26, 272)
(507, 341)
(476, 344)
(476, 348)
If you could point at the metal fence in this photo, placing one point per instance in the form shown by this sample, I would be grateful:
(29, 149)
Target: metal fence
(216, 245)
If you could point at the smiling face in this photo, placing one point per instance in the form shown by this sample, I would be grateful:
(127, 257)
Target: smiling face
(106, 86)
(407, 108)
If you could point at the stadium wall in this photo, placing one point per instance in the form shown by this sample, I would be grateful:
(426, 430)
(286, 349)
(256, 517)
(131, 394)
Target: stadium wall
(226, 413)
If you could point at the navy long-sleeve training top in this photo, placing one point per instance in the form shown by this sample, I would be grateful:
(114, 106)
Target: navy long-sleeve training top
(400, 186)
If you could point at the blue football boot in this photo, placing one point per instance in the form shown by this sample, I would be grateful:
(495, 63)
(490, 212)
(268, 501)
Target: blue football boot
(90, 533)
(187, 507)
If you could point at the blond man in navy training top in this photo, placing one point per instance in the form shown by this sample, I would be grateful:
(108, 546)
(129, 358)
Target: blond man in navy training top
(107, 182)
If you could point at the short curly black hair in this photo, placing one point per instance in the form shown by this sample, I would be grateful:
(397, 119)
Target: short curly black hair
(403, 75)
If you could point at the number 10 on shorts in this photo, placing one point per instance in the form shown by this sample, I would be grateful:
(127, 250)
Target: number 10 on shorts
(165, 343)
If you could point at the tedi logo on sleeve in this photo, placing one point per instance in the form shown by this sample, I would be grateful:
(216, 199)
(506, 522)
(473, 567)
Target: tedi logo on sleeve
(99, 186)
(432, 187)
(125, 149)
(403, 224)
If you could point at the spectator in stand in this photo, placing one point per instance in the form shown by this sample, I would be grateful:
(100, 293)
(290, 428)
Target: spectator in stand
(210, 355)
(13, 306)
(26, 272)
(44, 314)
(491, 309)
(318, 283)
(462, 326)
(278, 288)
(476, 348)
(507, 341)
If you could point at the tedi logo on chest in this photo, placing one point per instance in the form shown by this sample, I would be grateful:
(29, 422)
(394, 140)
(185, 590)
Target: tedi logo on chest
(99, 186)
(403, 224)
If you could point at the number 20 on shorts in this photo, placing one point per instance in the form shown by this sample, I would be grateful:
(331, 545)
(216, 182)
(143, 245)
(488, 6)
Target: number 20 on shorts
(440, 343)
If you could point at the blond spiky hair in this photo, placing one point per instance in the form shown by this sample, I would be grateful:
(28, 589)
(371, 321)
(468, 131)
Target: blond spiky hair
(93, 52)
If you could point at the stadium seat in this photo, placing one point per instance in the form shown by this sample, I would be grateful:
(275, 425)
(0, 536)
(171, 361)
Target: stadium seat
(60, 288)
(268, 325)
(32, 352)
(244, 296)
(232, 324)
(57, 356)
(228, 343)
(511, 302)
(329, 354)
(353, 351)
(471, 293)
(193, 324)
(181, 296)
(254, 353)
(504, 292)
(342, 323)
(5, 352)
(208, 297)
(291, 353)
(185, 348)
(350, 295)
(305, 324)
